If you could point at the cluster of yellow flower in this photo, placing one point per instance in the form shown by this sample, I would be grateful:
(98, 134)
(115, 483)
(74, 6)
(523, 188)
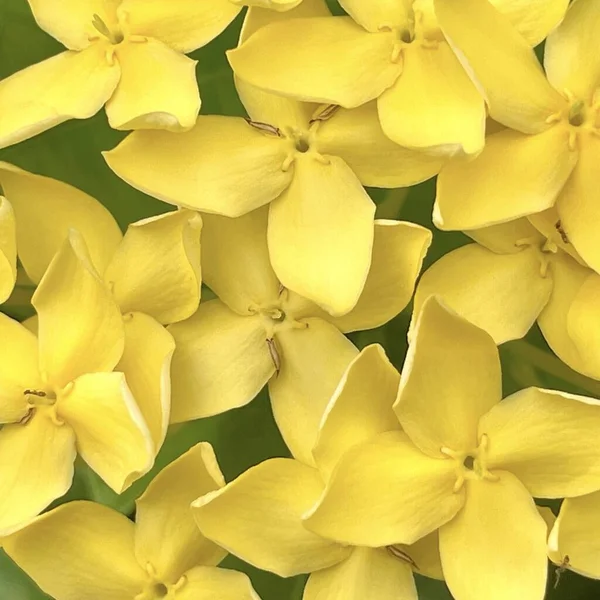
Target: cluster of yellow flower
(424, 471)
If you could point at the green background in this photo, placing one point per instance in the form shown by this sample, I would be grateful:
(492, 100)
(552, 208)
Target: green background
(243, 437)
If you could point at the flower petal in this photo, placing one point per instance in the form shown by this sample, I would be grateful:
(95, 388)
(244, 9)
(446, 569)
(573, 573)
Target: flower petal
(356, 137)
(208, 583)
(533, 19)
(360, 408)
(8, 249)
(235, 261)
(158, 88)
(433, 105)
(321, 59)
(504, 238)
(71, 21)
(548, 440)
(221, 362)
(223, 165)
(92, 550)
(578, 204)
(184, 25)
(283, 489)
(112, 436)
(500, 293)
(501, 64)
(36, 467)
(313, 361)
(570, 55)
(146, 363)
(324, 218)
(372, 573)
(575, 534)
(501, 190)
(426, 555)
(389, 484)
(501, 528)
(71, 85)
(156, 269)
(18, 369)
(50, 208)
(451, 377)
(166, 534)
(80, 325)
(398, 252)
(391, 13)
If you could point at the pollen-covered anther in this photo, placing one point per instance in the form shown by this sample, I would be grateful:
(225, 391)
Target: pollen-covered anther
(114, 36)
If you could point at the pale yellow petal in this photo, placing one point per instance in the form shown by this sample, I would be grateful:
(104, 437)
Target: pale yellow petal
(221, 362)
(321, 59)
(504, 238)
(146, 363)
(158, 88)
(360, 408)
(36, 467)
(313, 359)
(533, 19)
(112, 436)
(80, 325)
(356, 137)
(258, 517)
(386, 491)
(451, 377)
(578, 204)
(501, 63)
(500, 293)
(223, 165)
(548, 439)
(235, 261)
(19, 370)
(373, 16)
(45, 210)
(324, 218)
(79, 551)
(372, 573)
(433, 105)
(8, 249)
(398, 252)
(71, 85)
(184, 25)
(501, 190)
(156, 269)
(575, 535)
(570, 57)
(210, 583)
(166, 534)
(500, 531)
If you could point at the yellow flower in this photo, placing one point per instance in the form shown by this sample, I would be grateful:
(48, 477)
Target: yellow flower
(127, 54)
(8, 249)
(309, 162)
(550, 151)
(153, 273)
(465, 463)
(259, 332)
(83, 550)
(516, 275)
(59, 394)
(284, 489)
(573, 542)
(393, 51)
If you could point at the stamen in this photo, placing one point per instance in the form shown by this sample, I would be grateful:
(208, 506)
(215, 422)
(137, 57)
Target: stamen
(182, 581)
(572, 141)
(274, 355)
(28, 416)
(564, 565)
(37, 393)
(101, 26)
(403, 556)
(397, 52)
(264, 127)
(458, 485)
(430, 44)
(561, 231)
(325, 114)
(287, 163)
(554, 118)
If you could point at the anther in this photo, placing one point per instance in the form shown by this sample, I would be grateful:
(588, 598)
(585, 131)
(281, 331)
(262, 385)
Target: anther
(38, 393)
(325, 114)
(458, 485)
(288, 161)
(554, 118)
(397, 51)
(563, 235)
(28, 416)
(403, 556)
(572, 141)
(274, 354)
(180, 583)
(264, 127)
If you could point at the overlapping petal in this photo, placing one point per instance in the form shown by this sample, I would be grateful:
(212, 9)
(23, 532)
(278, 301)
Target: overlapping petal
(208, 583)
(221, 362)
(8, 249)
(451, 377)
(92, 550)
(390, 484)
(71, 85)
(222, 165)
(548, 440)
(283, 489)
(324, 218)
(156, 269)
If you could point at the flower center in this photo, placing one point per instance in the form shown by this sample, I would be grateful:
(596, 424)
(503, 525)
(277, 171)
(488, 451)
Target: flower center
(471, 464)
(160, 590)
(577, 113)
(114, 36)
(302, 144)
(40, 400)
